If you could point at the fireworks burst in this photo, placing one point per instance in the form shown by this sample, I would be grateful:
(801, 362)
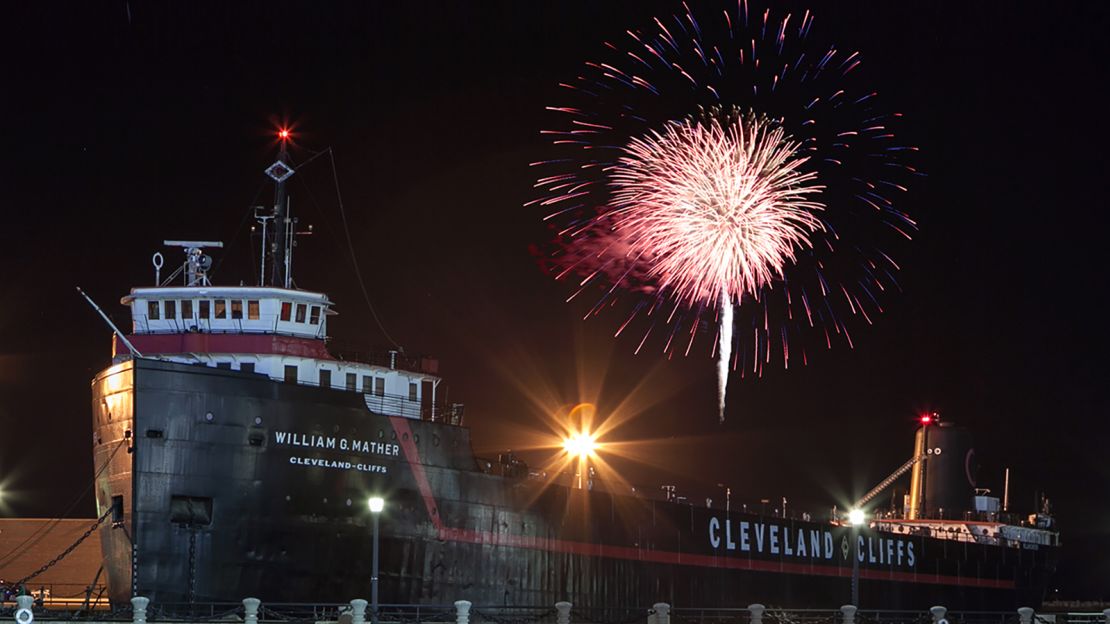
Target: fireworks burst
(719, 210)
(741, 178)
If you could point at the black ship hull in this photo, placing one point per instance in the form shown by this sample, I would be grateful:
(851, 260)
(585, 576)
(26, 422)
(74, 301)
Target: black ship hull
(227, 484)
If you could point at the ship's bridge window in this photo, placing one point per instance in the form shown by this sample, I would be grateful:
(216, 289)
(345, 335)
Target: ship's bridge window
(221, 309)
(301, 312)
(367, 384)
(352, 380)
(203, 308)
(325, 378)
(236, 308)
(412, 391)
(252, 310)
(286, 310)
(186, 309)
(314, 318)
(170, 308)
(290, 373)
(379, 386)
(152, 311)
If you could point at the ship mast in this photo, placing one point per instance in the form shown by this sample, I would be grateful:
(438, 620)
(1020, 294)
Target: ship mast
(278, 226)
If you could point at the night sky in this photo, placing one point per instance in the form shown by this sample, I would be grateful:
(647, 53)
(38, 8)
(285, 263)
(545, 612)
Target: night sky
(129, 123)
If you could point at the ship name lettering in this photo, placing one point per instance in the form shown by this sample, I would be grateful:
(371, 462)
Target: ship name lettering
(777, 539)
(319, 462)
(342, 444)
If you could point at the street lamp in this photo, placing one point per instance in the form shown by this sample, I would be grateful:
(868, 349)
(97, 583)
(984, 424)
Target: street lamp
(377, 504)
(856, 518)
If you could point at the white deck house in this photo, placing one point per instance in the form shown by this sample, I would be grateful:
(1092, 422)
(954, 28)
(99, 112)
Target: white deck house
(270, 331)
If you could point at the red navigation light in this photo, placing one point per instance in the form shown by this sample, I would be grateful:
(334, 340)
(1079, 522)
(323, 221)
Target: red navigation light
(927, 419)
(283, 134)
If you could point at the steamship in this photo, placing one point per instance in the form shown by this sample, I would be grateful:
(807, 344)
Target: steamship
(235, 455)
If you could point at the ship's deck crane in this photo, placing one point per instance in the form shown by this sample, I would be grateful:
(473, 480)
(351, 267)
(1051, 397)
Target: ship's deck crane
(885, 483)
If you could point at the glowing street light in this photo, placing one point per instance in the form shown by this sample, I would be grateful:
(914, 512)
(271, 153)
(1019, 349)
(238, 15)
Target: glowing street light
(377, 504)
(856, 518)
(581, 445)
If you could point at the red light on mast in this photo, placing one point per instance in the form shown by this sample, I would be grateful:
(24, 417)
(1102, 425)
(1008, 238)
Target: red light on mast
(928, 419)
(283, 134)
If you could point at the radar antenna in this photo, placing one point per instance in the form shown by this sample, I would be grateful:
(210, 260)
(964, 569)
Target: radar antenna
(197, 263)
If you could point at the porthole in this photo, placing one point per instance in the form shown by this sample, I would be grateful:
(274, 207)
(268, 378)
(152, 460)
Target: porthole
(416, 438)
(435, 440)
(394, 435)
(405, 437)
(209, 417)
(258, 420)
(381, 434)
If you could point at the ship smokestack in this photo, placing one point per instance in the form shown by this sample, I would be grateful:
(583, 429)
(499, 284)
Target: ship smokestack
(942, 485)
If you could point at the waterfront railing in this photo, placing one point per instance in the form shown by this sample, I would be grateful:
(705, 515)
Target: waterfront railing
(253, 611)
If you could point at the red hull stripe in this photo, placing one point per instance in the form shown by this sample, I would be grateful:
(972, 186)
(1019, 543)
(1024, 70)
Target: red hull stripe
(154, 344)
(404, 436)
(412, 456)
(705, 561)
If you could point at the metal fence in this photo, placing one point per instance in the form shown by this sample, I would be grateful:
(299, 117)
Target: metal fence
(251, 611)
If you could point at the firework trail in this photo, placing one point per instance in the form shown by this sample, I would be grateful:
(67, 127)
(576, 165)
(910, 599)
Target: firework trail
(724, 347)
(726, 174)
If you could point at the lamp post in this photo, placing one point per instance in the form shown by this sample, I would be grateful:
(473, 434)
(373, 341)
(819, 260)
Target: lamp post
(377, 503)
(856, 517)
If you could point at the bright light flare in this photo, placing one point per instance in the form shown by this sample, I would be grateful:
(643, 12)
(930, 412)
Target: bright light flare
(581, 445)
(284, 134)
(377, 504)
(856, 517)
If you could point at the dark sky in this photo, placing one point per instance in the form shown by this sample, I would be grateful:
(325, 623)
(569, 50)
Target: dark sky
(125, 124)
